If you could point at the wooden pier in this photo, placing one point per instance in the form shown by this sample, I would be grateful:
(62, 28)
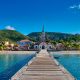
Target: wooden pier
(43, 67)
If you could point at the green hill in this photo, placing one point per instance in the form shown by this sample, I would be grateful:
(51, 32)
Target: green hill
(55, 36)
(11, 35)
(15, 36)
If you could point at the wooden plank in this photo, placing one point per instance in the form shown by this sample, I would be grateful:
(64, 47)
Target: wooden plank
(44, 78)
(43, 68)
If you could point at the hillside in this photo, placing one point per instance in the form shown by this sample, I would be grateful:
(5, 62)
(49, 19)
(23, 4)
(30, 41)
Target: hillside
(55, 36)
(15, 36)
(11, 35)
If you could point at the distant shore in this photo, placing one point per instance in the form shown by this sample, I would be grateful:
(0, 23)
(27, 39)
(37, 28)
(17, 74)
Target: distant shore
(65, 52)
(17, 52)
(32, 52)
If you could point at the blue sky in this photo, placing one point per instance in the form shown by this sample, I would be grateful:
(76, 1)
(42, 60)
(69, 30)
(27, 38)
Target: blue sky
(29, 15)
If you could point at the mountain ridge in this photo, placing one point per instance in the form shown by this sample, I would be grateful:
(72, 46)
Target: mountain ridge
(55, 36)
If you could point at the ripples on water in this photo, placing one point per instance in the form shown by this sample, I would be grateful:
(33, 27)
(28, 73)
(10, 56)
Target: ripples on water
(71, 62)
(11, 63)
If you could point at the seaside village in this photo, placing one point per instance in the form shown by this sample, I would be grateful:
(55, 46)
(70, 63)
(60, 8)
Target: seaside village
(25, 45)
(29, 45)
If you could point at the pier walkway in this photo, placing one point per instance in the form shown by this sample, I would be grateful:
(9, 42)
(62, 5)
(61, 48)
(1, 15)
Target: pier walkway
(43, 67)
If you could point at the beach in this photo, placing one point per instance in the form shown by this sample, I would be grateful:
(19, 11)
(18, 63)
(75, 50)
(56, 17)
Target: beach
(17, 52)
(65, 52)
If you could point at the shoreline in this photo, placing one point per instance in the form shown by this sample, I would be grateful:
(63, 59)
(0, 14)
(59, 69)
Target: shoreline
(18, 52)
(33, 52)
(65, 52)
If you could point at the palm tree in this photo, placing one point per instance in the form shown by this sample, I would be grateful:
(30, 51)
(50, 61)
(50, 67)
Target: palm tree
(76, 46)
(2, 45)
(68, 46)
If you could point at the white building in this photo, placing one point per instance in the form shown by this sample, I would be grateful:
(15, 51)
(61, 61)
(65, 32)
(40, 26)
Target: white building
(43, 44)
(24, 44)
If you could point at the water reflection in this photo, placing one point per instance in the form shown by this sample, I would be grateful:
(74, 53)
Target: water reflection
(8, 60)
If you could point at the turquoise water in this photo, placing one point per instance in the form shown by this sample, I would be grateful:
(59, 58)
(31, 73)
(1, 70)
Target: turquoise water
(11, 63)
(71, 62)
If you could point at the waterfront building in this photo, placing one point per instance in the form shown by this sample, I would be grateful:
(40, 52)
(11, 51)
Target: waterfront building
(59, 46)
(42, 44)
(24, 44)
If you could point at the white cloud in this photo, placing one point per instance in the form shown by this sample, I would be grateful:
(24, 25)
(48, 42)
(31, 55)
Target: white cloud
(9, 28)
(75, 7)
(79, 6)
(72, 7)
